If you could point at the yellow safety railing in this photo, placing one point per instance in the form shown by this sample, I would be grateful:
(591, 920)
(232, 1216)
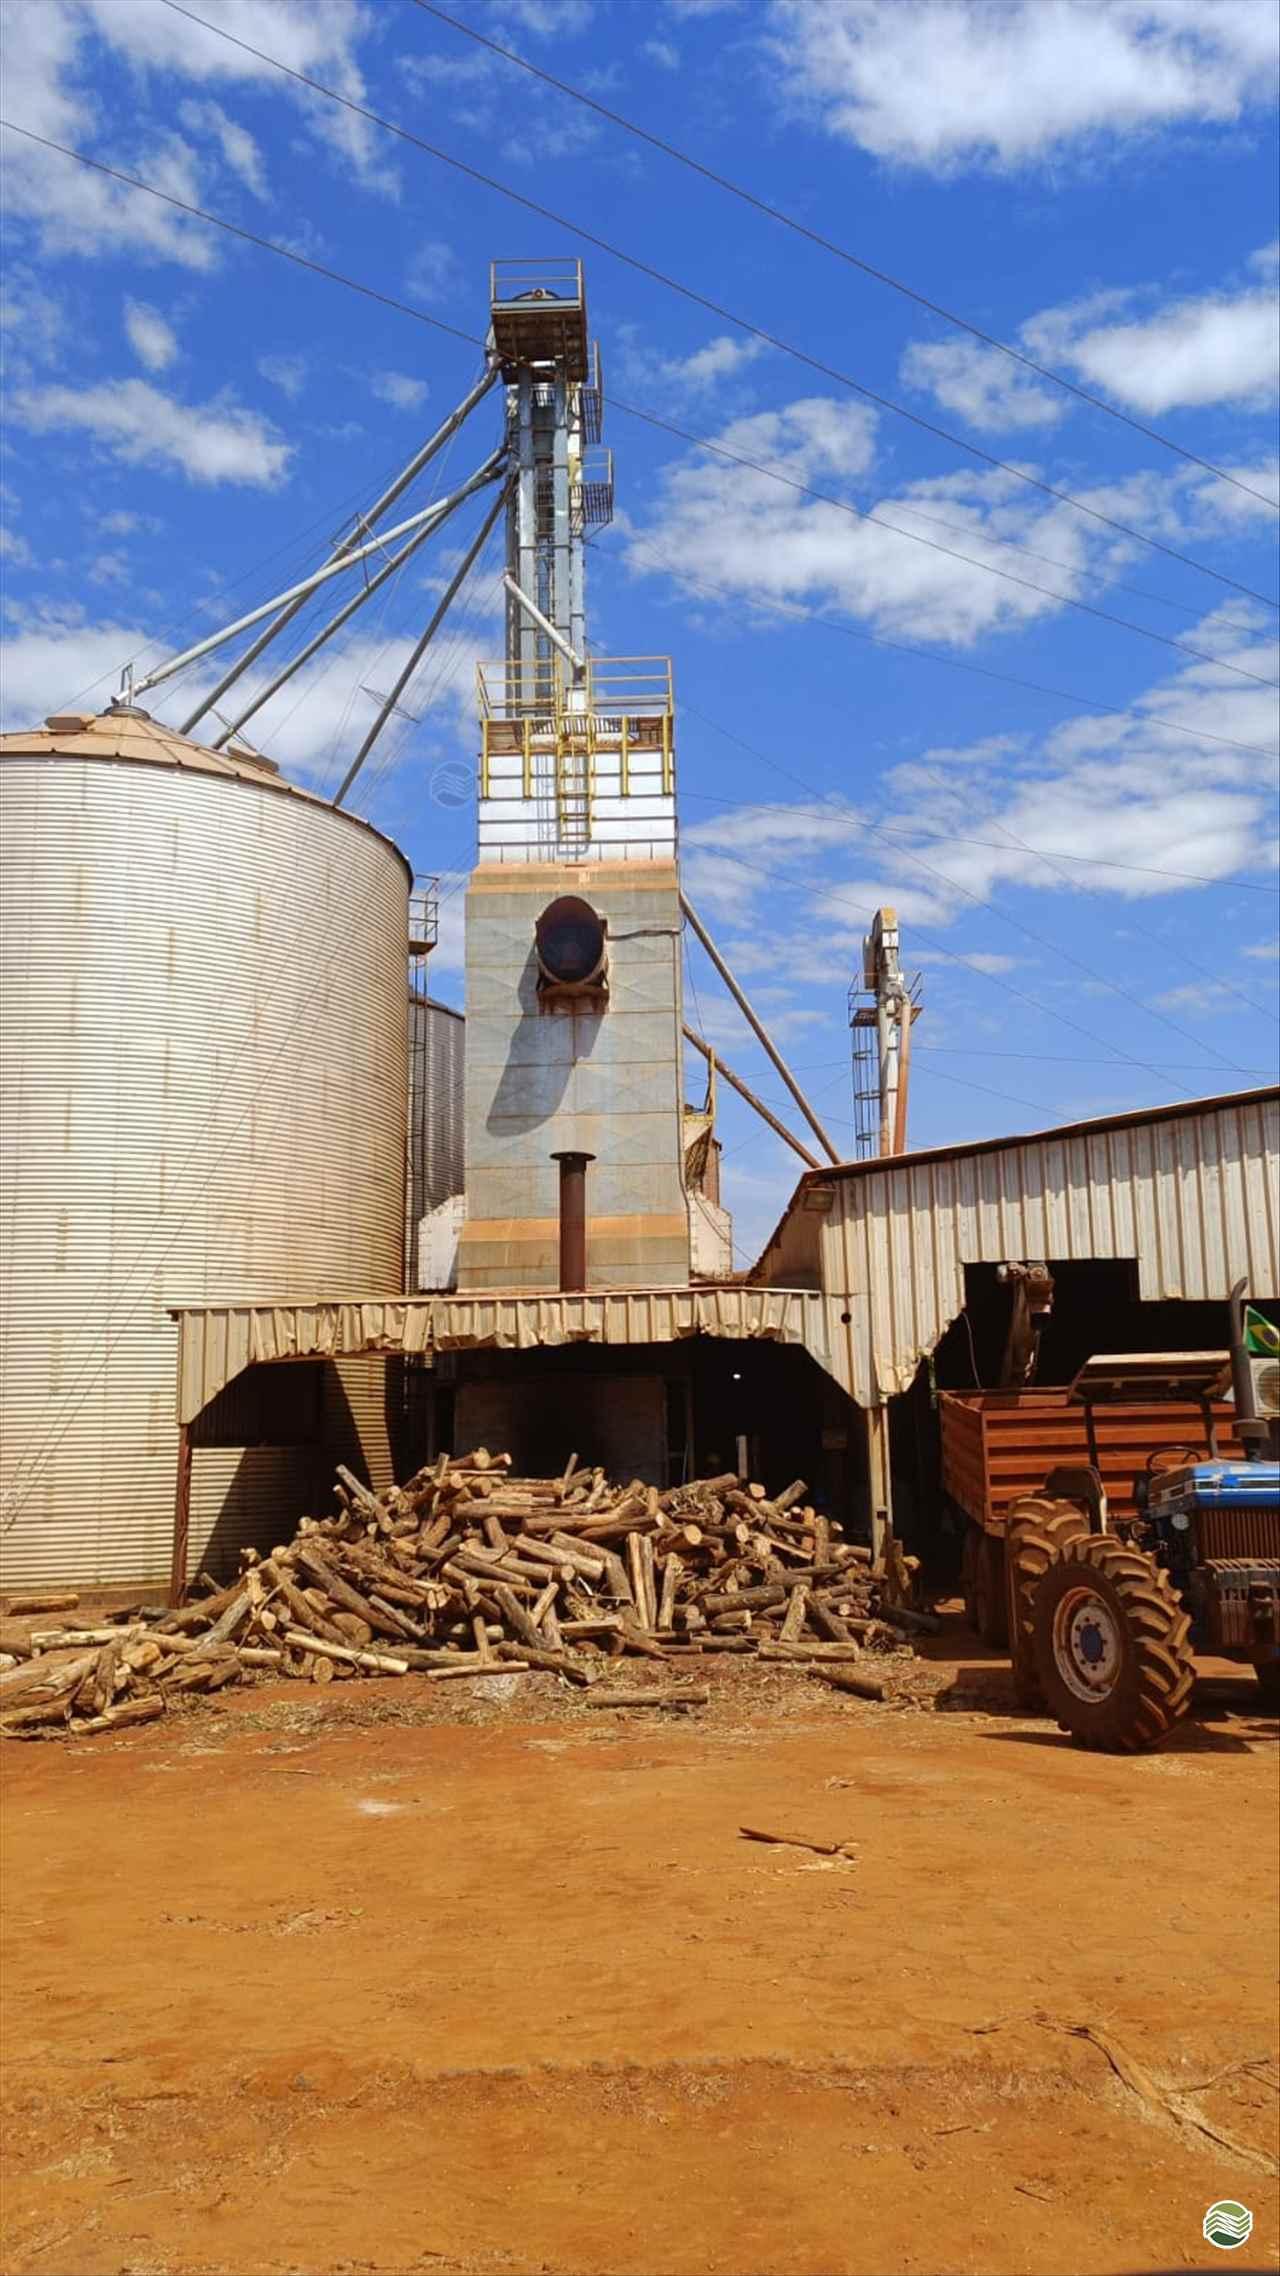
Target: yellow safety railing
(614, 705)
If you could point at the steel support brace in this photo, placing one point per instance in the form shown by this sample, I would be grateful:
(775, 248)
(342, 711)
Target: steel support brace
(365, 523)
(879, 1478)
(403, 677)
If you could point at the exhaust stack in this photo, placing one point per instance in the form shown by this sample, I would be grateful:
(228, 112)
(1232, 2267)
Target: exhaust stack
(573, 1219)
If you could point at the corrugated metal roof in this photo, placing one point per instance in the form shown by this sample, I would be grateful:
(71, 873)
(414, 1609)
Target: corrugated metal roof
(215, 1342)
(125, 734)
(1132, 1119)
(1191, 1193)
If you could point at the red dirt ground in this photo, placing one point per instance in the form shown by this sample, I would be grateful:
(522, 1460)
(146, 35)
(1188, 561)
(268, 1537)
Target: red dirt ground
(376, 1980)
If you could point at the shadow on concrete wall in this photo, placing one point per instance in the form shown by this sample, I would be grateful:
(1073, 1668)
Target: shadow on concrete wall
(530, 1090)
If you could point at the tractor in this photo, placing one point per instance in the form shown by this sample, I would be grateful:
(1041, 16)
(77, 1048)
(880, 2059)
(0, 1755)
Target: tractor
(1105, 1617)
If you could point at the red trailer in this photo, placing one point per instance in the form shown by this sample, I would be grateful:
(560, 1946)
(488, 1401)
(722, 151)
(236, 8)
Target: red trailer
(998, 1447)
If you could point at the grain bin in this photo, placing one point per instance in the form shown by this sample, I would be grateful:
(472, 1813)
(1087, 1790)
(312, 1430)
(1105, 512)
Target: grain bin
(203, 1066)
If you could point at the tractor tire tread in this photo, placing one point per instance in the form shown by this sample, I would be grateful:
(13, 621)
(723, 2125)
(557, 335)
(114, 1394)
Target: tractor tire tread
(1037, 1529)
(1160, 1675)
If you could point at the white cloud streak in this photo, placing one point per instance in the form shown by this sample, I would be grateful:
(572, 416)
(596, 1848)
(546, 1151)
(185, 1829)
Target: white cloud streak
(399, 390)
(1012, 812)
(48, 69)
(210, 442)
(944, 83)
(751, 536)
(150, 335)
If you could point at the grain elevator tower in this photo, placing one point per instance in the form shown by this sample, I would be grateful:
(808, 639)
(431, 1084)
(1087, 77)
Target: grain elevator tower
(573, 921)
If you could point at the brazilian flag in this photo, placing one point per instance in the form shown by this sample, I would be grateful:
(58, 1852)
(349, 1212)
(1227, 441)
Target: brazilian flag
(1261, 1339)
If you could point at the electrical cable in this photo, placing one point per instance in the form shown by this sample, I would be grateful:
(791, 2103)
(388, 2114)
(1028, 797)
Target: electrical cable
(792, 879)
(953, 663)
(702, 300)
(1165, 948)
(953, 885)
(841, 252)
(335, 276)
(1007, 576)
(989, 845)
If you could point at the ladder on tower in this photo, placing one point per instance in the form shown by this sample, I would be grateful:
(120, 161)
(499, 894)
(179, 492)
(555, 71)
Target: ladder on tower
(574, 752)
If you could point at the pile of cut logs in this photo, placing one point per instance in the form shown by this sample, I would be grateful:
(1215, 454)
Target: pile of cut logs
(468, 1572)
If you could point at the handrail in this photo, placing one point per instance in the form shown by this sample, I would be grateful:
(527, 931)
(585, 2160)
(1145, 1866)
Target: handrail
(513, 281)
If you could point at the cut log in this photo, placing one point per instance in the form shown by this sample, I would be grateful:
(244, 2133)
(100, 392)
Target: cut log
(797, 1612)
(378, 1663)
(685, 1696)
(672, 1575)
(556, 1663)
(129, 1711)
(52, 1600)
(844, 1679)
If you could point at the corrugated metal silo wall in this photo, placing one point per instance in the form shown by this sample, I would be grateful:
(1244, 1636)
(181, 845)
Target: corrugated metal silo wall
(203, 1060)
(437, 1119)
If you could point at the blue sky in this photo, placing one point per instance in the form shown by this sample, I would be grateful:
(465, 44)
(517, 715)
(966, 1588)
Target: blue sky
(1088, 889)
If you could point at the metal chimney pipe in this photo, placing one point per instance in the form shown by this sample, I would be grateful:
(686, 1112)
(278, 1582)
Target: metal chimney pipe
(573, 1218)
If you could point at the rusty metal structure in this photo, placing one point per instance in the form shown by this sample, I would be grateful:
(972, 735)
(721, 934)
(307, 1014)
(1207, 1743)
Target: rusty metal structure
(883, 1008)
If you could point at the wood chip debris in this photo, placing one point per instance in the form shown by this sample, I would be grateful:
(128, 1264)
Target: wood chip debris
(467, 1571)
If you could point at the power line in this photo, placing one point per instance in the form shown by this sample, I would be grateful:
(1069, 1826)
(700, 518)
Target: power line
(990, 845)
(1005, 916)
(841, 252)
(955, 956)
(953, 663)
(250, 237)
(702, 300)
(1164, 947)
(404, 308)
(1060, 1058)
(1008, 576)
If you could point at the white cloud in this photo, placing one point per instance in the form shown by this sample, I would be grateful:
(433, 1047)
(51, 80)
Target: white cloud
(938, 83)
(13, 546)
(48, 88)
(662, 53)
(962, 825)
(922, 568)
(398, 389)
(549, 18)
(1218, 347)
(1197, 997)
(108, 569)
(988, 389)
(978, 959)
(151, 336)
(209, 442)
(127, 523)
(433, 270)
(239, 150)
(480, 97)
(1215, 347)
(288, 373)
(1263, 951)
(310, 729)
(719, 360)
(33, 322)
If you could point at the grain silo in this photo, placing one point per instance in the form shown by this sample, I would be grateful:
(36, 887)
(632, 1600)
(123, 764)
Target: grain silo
(203, 1040)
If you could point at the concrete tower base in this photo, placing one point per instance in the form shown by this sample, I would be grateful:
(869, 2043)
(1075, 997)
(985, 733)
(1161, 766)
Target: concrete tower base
(599, 1074)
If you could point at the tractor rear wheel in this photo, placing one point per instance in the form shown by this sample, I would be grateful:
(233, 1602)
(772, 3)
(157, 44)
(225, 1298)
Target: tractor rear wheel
(1112, 1646)
(1036, 1531)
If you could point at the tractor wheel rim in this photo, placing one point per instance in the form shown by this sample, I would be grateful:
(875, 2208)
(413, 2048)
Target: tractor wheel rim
(1088, 1645)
